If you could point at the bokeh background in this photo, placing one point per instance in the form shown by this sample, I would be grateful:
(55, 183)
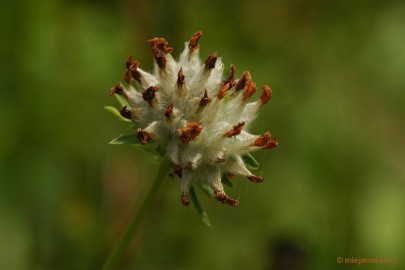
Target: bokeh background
(334, 187)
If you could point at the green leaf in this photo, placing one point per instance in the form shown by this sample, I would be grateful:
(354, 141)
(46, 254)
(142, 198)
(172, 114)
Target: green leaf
(125, 139)
(131, 139)
(149, 149)
(121, 101)
(198, 207)
(115, 112)
(206, 188)
(154, 159)
(225, 180)
(250, 162)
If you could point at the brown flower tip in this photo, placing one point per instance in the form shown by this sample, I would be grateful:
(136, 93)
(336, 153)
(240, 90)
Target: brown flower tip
(231, 77)
(118, 89)
(160, 58)
(189, 132)
(132, 67)
(143, 136)
(223, 198)
(210, 62)
(266, 95)
(205, 100)
(130, 61)
(125, 112)
(227, 84)
(127, 76)
(159, 49)
(180, 78)
(223, 91)
(169, 110)
(159, 44)
(177, 170)
(243, 81)
(266, 141)
(236, 130)
(262, 140)
(185, 199)
(272, 143)
(256, 179)
(193, 44)
(135, 74)
(249, 91)
(149, 94)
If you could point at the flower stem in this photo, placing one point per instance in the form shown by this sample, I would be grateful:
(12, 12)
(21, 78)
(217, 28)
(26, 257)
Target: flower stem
(116, 254)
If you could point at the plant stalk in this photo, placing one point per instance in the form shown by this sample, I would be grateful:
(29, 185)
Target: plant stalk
(115, 256)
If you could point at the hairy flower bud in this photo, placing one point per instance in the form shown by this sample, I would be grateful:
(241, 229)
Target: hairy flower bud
(198, 119)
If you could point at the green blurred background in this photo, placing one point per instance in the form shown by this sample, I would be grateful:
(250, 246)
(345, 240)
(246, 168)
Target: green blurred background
(334, 187)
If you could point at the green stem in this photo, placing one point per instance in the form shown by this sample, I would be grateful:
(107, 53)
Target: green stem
(116, 254)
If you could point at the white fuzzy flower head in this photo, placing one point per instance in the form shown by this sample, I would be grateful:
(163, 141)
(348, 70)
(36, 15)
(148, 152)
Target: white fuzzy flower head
(195, 116)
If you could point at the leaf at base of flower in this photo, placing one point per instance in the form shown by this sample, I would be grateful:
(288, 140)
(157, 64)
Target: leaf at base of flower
(154, 159)
(121, 100)
(199, 208)
(115, 112)
(225, 180)
(250, 161)
(206, 188)
(125, 139)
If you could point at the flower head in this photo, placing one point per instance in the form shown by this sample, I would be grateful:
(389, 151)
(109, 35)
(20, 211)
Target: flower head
(196, 117)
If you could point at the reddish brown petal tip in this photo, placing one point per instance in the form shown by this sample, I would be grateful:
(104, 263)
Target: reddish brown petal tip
(180, 78)
(159, 49)
(243, 81)
(118, 89)
(130, 61)
(143, 136)
(256, 179)
(231, 77)
(127, 76)
(160, 44)
(125, 112)
(132, 70)
(210, 62)
(185, 199)
(222, 197)
(223, 90)
(160, 58)
(262, 140)
(169, 110)
(149, 94)
(177, 170)
(189, 132)
(236, 130)
(193, 44)
(271, 143)
(205, 100)
(266, 95)
(249, 91)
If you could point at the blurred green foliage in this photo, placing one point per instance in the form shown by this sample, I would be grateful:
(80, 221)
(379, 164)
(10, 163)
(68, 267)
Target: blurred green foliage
(334, 187)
